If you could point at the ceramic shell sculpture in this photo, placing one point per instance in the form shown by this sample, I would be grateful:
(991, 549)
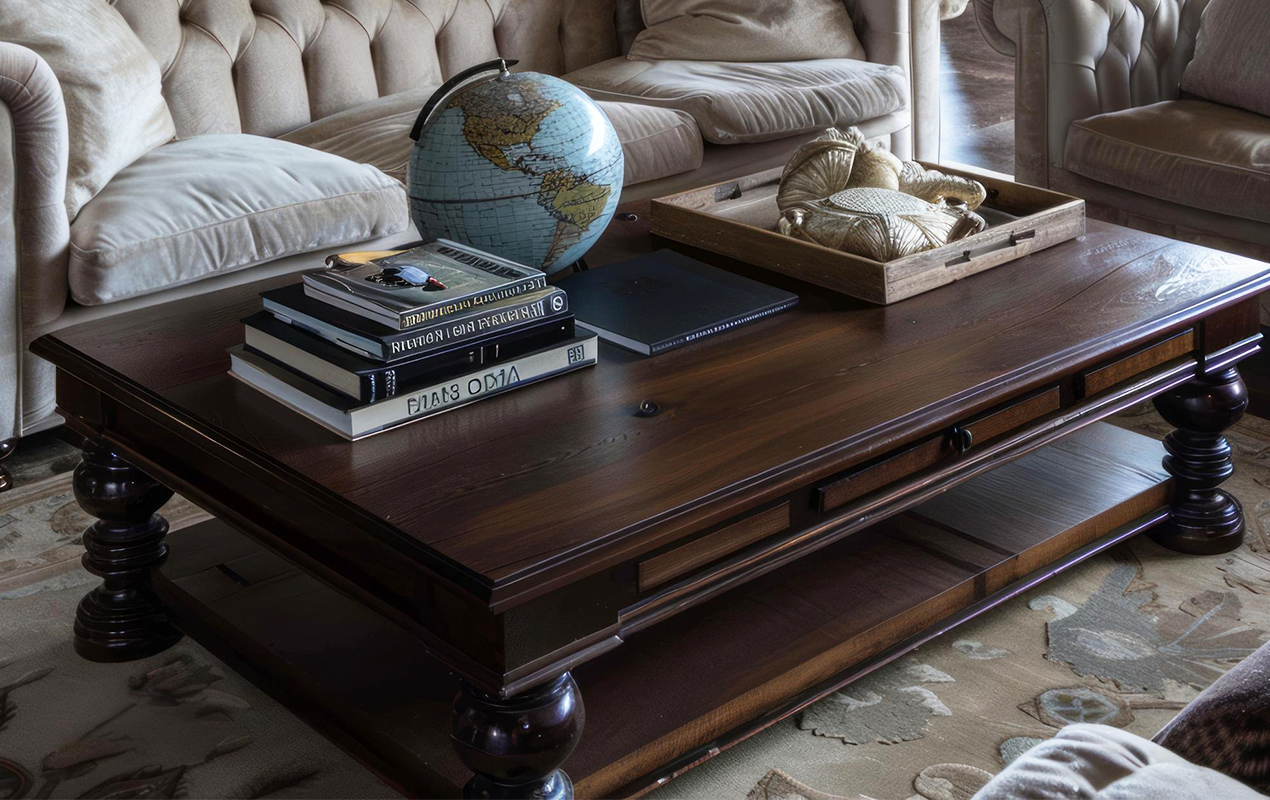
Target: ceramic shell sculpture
(840, 192)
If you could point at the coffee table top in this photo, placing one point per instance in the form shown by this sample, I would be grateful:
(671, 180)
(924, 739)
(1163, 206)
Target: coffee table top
(530, 490)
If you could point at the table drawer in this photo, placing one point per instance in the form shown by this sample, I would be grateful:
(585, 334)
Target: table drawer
(701, 551)
(1127, 367)
(961, 437)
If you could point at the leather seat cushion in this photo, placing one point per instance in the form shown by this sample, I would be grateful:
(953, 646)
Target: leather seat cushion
(1191, 152)
(213, 204)
(753, 102)
(656, 142)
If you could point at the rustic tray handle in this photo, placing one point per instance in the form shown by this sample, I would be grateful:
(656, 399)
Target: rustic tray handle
(1014, 240)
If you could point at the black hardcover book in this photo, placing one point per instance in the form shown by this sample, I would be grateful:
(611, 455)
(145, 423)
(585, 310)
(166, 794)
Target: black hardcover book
(663, 300)
(370, 339)
(369, 381)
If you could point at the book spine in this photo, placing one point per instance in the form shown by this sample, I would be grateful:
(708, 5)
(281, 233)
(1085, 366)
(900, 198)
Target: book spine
(679, 341)
(419, 341)
(476, 385)
(413, 319)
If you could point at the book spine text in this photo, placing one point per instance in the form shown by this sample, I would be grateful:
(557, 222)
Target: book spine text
(412, 319)
(445, 332)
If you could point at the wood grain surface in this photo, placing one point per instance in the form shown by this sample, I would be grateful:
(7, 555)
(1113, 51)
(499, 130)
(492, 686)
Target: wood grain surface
(737, 218)
(689, 686)
(539, 483)
(508, 537)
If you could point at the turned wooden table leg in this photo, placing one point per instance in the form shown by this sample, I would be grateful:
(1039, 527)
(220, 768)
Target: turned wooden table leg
(121, 620)
(516, 746)
(1205, 519)
(6, 449)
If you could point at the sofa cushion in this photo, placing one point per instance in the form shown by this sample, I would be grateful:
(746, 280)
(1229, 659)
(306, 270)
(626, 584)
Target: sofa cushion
(734, 102)
(222, 202)
(110, 83)
(375, 133)
(742, 30)
(656, 142)
(1232, 51)
(1088, 762)
(1191, 152)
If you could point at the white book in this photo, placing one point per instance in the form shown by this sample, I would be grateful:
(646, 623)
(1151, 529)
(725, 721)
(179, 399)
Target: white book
(353, 420)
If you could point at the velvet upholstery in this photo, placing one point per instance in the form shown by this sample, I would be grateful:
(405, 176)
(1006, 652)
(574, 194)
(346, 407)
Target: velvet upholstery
(110, 86)
(1099, 762)
(1227, 728)
(741, 30)
(753, 102)
(1232, 56)
(242, 200)
(315, 70)
(1185, 151)
(376, 133)
(34, 232)
(271, 66)
(656, 142)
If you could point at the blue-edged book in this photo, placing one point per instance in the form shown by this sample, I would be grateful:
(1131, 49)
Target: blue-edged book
(657, 302)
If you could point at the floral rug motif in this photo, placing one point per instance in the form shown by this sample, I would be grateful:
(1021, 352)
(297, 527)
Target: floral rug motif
(1125, 639)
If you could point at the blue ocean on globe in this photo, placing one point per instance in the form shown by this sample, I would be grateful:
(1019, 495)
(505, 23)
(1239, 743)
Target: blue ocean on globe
(524, 165)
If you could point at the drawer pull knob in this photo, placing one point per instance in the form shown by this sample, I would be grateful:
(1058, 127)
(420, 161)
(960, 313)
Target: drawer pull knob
(961, 438)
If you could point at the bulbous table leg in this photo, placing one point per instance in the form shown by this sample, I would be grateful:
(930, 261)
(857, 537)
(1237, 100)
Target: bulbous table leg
(516, 746)
(6, 449)
(121, 620)
(1205, 519)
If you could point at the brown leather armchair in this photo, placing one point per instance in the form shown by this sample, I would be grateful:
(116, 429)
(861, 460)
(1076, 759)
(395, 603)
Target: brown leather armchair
(1099, 114)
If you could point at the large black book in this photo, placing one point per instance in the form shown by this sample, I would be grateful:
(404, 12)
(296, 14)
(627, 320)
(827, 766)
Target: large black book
(663, 300)
(369, 381)
(370, 339)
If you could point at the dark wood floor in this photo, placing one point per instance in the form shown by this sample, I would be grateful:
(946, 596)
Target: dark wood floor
(977, 94)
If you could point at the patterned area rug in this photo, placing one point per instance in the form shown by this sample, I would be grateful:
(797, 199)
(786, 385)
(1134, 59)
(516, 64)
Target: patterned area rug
(1125, 639)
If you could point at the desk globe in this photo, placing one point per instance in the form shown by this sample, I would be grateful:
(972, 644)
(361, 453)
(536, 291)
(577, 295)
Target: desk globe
(523, 165)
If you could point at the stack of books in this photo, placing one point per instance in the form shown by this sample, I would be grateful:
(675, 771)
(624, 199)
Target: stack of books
(376, 340)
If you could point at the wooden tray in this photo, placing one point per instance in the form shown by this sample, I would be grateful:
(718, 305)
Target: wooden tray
(738, 219)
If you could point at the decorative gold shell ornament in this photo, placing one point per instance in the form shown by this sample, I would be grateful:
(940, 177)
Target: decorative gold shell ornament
(817, 169)
(880, 224)
(820, 201)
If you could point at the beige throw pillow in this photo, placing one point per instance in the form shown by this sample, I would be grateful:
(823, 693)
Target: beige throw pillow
(745, 30)
(1232, 56)
(115, 110)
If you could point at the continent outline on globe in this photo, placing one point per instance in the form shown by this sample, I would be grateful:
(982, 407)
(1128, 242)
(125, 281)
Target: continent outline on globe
(500, 122)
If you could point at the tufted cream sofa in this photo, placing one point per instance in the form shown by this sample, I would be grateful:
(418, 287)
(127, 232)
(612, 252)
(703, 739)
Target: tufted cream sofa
(347, 77)
(1099, 114)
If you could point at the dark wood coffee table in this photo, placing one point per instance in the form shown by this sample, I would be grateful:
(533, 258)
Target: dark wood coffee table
(808, 497)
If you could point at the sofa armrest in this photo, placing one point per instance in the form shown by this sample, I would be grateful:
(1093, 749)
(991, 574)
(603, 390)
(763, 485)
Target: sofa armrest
(1227, 727)
(1078, 58)
(34, 230)
(905, 33)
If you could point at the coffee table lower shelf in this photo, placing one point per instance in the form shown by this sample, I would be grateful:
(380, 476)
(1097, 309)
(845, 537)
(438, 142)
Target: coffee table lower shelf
(699, 682)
